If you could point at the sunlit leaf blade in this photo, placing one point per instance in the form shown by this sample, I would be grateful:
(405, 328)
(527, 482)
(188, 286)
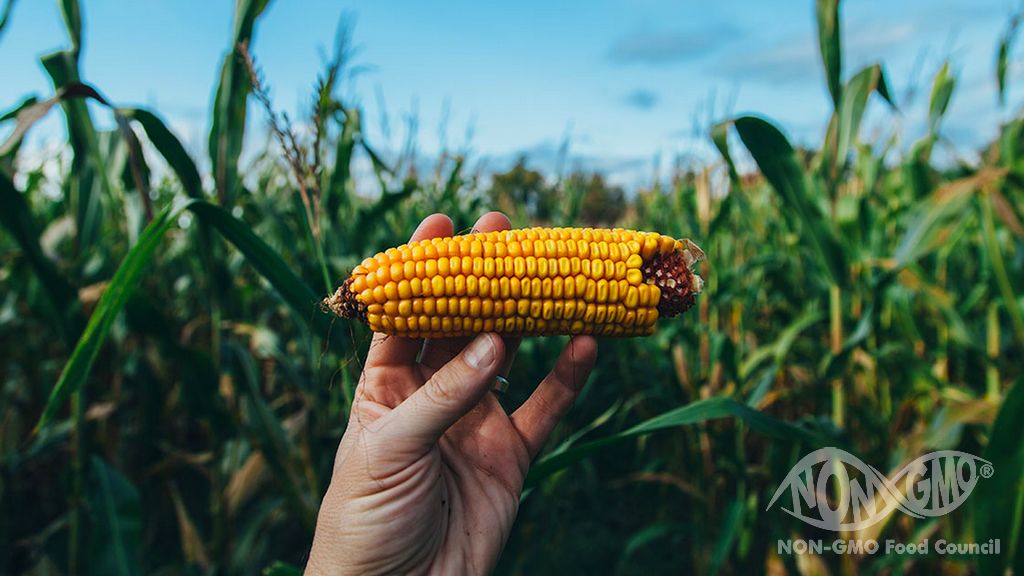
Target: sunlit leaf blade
(700, 411)
(170, 148)
(88, 180)
(930, 219)
(137, 169)
(998, 263)
(115, 515)
(942, 93)
(1011, 146)
(720, 137)
(1007, 213)
(229, 104)
(855, 98)
(999, 502)
(30, 113)
(1003, 57)
(13, 112)
(7, 156)
(830, 46)
(72, 14)
(337, 192)
(454, 181)
(779, 165)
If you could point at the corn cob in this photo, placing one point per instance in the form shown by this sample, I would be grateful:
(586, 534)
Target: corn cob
(536, 281)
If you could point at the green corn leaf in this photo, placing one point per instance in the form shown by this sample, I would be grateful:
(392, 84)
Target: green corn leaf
(24, 104)
(998, 264)
(229, 105)
(779, 349)
(337, 196)
(9, 151)
(935, 216)
(855, 98)
(369, 217)
(88, 181)
(268, 435)
(1011, 146)
(830, 45)
(942, 93)
(136, 173)
(999, 506)
(72, 14)
(695, 413)
(268, 263)
(778, 162)
(1003, 57)
(644, 537)
(380, 168)
(449, 195)
(731, 525)
(169, 147)
(720, 137)
(109, 306)
(282, 569)
(115, 514)
(834, 365)
(31, 111)
(5, 16)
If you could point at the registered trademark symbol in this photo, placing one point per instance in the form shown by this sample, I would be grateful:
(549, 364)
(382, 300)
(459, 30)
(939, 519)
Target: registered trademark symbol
(986, 471)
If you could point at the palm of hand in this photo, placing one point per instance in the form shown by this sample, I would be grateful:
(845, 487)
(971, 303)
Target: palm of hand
(452, 506)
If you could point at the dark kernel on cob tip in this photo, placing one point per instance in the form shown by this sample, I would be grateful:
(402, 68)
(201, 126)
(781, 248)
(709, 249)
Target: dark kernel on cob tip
(535, 281)
(344, 302)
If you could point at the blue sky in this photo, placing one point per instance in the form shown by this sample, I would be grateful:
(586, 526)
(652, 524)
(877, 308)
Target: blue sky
(628, 81)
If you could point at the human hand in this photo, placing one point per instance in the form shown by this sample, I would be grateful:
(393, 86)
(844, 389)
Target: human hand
(429, 472)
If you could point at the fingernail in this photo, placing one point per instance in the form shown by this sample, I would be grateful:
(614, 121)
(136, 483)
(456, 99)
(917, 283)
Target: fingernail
(480, 352)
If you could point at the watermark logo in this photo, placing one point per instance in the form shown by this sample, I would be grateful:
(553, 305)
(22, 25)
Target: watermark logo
(834, 490)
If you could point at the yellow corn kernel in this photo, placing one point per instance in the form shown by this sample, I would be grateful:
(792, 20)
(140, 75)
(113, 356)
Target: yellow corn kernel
(635, 277)
(359, 283)
(404, 290)
(632, 297)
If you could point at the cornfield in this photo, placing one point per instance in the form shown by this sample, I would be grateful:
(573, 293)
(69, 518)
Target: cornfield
(173, 394)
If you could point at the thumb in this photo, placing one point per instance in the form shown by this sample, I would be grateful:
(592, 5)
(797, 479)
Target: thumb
(449, 394)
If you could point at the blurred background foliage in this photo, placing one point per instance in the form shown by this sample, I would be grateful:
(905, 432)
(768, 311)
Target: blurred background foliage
(172, 395)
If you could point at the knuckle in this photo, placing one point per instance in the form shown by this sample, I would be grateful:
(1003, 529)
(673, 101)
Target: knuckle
(546, 405)
(443, 386)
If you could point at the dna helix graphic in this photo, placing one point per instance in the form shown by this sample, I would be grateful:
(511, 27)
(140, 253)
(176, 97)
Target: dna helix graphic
(930, 486)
